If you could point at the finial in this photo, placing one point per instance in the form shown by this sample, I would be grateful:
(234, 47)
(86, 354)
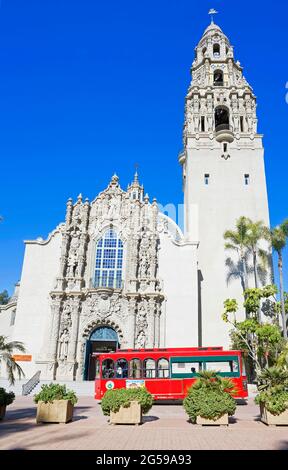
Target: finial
(79, 197)
(136, 180)
(114, 179)
(212, 12)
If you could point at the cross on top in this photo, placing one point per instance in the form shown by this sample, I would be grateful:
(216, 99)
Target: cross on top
(212, 12)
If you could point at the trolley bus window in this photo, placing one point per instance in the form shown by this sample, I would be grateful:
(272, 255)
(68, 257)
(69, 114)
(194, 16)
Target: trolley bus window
(135, 369)
(149, 369)
(108, 371)
(222, 366)
(186, 367)
(121, 369)
(163, 368)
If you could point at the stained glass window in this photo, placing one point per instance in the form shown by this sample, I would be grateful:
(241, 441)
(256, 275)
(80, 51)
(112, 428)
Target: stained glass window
(109, 261)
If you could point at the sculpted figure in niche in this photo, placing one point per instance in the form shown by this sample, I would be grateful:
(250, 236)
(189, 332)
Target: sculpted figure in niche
(142, 323)
(75, 243)
(141, 340)
(66, 317)
(72, 270)
(236, 122)
(196, 122)
(63, 344)
(250, 123)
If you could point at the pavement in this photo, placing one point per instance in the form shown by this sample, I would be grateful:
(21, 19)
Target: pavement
(166, 427)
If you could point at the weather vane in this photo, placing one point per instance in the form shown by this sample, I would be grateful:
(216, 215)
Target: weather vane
(212, 12)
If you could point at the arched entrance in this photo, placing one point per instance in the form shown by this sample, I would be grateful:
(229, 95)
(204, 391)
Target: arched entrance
(102, 340)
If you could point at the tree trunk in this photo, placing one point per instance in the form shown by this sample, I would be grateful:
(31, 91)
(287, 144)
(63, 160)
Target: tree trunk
(256, 281)
(255, 269)
(244, 267)
(280, 267)
(245, 280)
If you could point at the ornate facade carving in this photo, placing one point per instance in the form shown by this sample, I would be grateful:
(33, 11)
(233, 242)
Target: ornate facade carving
(79, 306)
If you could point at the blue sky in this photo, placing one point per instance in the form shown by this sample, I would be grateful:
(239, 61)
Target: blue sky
(89, 88)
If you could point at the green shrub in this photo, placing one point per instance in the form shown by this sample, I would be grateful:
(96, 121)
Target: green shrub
(51, 392)
(210, 397)
(113, 399)
(6, 398)
(273, 390)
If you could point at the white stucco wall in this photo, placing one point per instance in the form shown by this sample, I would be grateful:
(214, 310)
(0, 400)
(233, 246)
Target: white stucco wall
(220, 203)
(178, 270)
(40, 268)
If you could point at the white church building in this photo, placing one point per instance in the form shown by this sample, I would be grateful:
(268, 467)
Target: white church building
(118, 273)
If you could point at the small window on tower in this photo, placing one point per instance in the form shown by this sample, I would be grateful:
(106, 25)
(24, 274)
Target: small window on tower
(202, 124)
(216, 50)
(206, 179)
(225, 147)
(247, 179)
(241, 123)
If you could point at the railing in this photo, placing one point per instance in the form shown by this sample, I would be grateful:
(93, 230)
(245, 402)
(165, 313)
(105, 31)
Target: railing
(106, 283)
(28, 387)
(223, 127)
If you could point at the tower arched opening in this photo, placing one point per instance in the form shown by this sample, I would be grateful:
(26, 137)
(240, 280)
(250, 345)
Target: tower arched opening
(218, 78)
(222, 120)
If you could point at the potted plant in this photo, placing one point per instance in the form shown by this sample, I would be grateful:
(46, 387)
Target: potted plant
(209, 400)
(126, 406)
(273, 395)
(55, 404)
(6, 398)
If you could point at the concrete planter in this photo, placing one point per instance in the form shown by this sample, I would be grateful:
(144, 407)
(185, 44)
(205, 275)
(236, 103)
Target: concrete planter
(130, 415)
(59, 411)
(223, 421)
(273, 420)
(2, 411)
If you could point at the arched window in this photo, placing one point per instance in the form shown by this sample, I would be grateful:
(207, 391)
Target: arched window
(216, 50)
(109, 261)
(218, 78)
(163, 368)
(149, 367)
(221, 118)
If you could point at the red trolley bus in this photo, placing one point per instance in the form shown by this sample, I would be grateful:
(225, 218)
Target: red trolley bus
(167, 373)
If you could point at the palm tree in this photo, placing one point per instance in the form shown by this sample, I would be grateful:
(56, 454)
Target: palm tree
(257, 231)
(237, 240)
(278, 238)
(6, 355)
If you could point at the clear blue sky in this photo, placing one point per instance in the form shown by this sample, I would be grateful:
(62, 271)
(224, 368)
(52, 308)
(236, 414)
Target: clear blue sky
(91, 87)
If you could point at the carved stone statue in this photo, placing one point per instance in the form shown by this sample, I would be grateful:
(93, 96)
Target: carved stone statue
(72, 270)
(141, 318)
(63, 344)
(66, 321)
(141, 340)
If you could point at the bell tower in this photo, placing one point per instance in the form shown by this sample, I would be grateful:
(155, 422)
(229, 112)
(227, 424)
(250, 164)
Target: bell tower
(223, 171)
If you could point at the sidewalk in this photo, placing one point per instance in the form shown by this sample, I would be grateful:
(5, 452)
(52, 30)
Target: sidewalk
(165, 427)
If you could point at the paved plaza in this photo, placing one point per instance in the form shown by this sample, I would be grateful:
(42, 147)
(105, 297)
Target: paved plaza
(165, 427)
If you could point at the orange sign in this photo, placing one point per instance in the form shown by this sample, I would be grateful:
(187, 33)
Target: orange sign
(22, 357)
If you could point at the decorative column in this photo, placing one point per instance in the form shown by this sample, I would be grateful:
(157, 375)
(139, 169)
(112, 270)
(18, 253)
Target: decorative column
(55, 325)
(131, 321)
(151, 323)
(157, 325)
(72, 350)
(80, 357)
